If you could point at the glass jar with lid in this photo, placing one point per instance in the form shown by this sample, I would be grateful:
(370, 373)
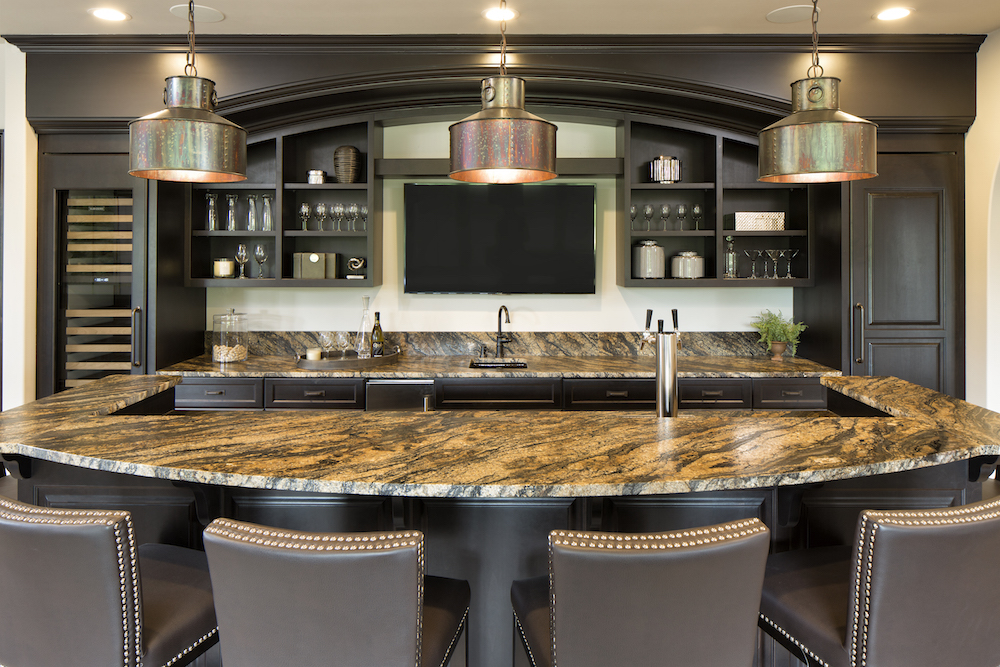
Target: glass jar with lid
(229, 337)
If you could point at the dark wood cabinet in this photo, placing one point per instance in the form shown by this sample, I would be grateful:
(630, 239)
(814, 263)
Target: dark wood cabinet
(605, 394)
(714, 393)
(314, 393)
(789, 394)
(498, 394)
(219, 394)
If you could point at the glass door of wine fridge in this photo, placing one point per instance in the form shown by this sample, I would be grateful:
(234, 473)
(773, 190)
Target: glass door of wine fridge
(99, 321)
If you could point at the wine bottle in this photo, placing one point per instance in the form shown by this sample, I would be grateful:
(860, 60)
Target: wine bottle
(378, 339)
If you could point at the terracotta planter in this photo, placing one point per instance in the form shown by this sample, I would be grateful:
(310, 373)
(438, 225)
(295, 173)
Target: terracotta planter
(777, 349)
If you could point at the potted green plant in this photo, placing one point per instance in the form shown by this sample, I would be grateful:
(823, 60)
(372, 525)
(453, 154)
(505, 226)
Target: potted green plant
(777, 333)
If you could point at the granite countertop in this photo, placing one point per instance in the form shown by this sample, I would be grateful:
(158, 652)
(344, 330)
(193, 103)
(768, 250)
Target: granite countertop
(498, 454)
(538, 366)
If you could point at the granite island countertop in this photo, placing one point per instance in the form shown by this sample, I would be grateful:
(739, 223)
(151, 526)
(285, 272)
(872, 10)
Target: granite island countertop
(498, 454)
(431, 366)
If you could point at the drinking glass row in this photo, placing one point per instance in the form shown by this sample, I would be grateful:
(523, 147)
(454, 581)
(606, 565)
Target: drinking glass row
(350, 218)
(243, 256)
(680, 212)
(258, 217)
(774, 256)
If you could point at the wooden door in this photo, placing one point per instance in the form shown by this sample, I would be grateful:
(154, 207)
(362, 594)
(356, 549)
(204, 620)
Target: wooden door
(906, 256)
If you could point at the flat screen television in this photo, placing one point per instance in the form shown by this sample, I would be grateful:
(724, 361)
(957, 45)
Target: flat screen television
(499, 239)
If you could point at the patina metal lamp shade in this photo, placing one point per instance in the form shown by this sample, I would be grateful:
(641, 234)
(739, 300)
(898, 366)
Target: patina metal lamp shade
(817, 143)
(503, 143)
(188, 142)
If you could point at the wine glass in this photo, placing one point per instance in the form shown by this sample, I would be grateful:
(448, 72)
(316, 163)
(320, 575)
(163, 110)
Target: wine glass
(241, 257)
(664, 214)
(260, 254)
(633, 211)
(320, 210)
(753, 255)
(682, 211)
(338, 217)
(363, 212)
(647, 212)
(353, 213)
(774, 255)
(790, 254)
(697, 215)
(304, 212)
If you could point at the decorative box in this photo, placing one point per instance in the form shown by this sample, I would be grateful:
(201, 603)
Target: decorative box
(308, 265)
(759, 221)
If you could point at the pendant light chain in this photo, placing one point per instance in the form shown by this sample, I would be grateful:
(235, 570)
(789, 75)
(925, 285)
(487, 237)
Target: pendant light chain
(815, 71)
(503, 39)
(189, 68)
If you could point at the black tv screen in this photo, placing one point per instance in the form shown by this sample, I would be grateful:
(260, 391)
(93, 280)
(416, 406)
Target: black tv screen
(499, 239)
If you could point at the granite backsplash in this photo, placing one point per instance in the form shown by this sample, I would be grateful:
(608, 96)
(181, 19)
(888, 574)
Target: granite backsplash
(525, 343)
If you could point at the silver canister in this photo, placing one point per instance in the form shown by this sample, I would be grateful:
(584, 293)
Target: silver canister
(665, 169)
(648, 260)
(316, 176)
(687, 264)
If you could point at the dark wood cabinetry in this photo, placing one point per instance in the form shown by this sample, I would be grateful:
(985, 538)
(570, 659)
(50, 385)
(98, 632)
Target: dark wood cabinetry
(498, 394)
(314, 393)
(220, 394)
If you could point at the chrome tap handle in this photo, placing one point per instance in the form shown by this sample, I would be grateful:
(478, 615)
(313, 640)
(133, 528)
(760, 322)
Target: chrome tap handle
(649, 318)
(673, 314)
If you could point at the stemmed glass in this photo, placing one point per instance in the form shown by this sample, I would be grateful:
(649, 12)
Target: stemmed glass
(664, 215)
(633, 211)
(647, 212)
(774, 255)
(753, 255)
(790, 254)
(682, 212)
(260, 254)
(697, 215)
(320, 210)
(304, 212)
(338, 217)
(353, 213)
(241, 257)
(363, 212)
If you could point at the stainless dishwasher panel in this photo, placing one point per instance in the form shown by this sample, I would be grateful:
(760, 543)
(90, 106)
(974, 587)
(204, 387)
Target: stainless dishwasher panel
(407, 395)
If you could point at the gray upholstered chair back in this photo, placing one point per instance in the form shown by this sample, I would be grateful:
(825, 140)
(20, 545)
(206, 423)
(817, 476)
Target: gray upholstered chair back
(683, 598)
(305, 599)
(924, 585)
(70, 587)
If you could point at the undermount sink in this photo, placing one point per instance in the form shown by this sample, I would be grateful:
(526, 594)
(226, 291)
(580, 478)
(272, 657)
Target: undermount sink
(493, 362)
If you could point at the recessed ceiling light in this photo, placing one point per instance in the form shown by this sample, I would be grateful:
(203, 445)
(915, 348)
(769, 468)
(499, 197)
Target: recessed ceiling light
(202, 14)
(791, 14)
(108, 14)
(497, 14)
(893, 13)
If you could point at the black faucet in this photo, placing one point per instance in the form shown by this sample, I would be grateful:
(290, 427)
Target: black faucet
(501, 337)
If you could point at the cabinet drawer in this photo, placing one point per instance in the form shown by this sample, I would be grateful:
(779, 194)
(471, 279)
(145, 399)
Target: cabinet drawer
(715, 393)
(789, 394)
(218, 394)
(600, 394)
(498, 394)
(314, 394)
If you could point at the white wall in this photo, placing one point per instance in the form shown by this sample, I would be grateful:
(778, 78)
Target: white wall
(982, 151)
(612, 308)
(19, 229)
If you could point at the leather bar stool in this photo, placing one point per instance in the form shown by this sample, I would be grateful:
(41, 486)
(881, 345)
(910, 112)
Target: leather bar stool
(309, 599)
(77, 591)
(687, 598)
(918, 588)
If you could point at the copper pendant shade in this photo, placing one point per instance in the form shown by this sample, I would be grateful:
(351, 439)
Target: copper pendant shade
(503, 143)
(817, 143)
(187, 141)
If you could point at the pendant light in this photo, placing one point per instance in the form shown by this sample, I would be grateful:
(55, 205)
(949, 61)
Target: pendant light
(818, 143)
(503, 143)
(187, 141)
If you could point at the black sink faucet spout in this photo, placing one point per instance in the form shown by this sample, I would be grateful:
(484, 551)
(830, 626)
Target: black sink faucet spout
(501, 337)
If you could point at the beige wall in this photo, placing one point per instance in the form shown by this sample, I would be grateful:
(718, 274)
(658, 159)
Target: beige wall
(983, 233)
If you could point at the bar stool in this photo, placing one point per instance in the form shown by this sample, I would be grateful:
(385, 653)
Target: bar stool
(78, 592)
(918, 588)
(309, 599)
(642, 599)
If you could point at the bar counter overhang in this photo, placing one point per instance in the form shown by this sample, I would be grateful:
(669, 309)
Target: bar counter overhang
(486, 487)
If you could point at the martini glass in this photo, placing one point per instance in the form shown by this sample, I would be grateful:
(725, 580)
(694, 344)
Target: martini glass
(790, 254)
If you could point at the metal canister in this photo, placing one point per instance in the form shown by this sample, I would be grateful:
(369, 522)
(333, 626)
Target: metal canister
(648, 260)
(665, 169)
(687, 264)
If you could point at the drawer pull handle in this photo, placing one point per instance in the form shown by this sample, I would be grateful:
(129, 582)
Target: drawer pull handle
(221, 392)
(788, 392)
(616, 394)
(320, 394)
(713, 393)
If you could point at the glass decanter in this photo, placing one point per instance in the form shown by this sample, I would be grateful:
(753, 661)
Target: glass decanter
(231, 213)
(267, 217)
(213, 211)
(363, 341)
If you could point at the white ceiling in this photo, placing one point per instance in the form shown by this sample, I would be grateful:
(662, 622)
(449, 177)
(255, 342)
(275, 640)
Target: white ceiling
(625, 17)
